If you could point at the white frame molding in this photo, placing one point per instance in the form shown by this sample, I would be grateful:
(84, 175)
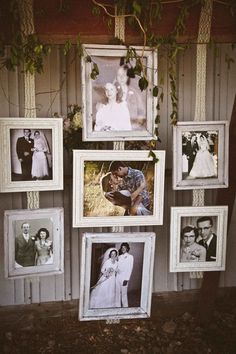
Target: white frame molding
(221, 181)
(221, 212)
(117, 51)
(6, 183)
(53, 215)
(143, 311)
(79, 158)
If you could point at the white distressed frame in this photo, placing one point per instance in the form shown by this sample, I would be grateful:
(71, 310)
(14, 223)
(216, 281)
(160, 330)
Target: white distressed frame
(221, 181)
(96, 50)
(144, 310)
(56, 216)
(175, 235)
(80, 156)
(6, 183)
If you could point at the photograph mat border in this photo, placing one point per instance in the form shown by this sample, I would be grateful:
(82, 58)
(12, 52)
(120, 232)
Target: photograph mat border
(223, 147)
(79, 156)
(57, 217)
(176, 214)
(152, 74)
(56, 125)
(88, 239)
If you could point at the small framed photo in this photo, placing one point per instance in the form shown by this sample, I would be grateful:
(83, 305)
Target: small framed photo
(117, 188)
(198, 238)
(200, 155)
(116, 275)
(31, 153)
(114, 107)
(33, 242)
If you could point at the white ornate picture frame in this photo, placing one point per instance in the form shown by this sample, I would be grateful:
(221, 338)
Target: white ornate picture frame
(139, 289)
(200, 155)
(141, 104)
(189, 258)
(50, 174)
(91, 173)
(27, 258)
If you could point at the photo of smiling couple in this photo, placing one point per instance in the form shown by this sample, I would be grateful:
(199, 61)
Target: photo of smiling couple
(117, 281)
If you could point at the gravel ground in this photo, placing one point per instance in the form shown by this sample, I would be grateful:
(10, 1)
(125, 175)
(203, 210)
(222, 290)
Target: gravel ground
(35, 333)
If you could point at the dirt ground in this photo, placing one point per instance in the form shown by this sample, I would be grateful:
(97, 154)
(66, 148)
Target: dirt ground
(172, 328)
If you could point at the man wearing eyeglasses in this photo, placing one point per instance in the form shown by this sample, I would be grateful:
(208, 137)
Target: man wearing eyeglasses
(209, 239)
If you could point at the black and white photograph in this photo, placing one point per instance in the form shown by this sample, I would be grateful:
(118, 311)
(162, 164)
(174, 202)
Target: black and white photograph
(31, 157)
(113, 187)
(200, 155)
(117, 264)
(198, 238)
(115, 108)
(33, 242)
(33, 151)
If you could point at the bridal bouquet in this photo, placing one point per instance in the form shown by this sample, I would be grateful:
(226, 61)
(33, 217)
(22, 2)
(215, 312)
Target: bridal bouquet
(109, 272)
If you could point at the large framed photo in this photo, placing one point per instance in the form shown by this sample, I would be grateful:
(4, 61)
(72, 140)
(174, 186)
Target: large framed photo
(31, 153)
(116, 275)
(33, 242)
(198, 238)
(200, 155)
(117, 188)
(114, 106)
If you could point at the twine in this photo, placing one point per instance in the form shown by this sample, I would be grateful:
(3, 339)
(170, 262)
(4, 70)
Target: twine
(200, 108)
(27, 27)
(119, 145)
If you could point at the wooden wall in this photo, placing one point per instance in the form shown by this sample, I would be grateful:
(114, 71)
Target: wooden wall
(221, 90)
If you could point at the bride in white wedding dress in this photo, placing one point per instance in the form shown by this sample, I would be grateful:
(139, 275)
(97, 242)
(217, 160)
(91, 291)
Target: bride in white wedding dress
(204, 164)
(104, 293)
(39, 159)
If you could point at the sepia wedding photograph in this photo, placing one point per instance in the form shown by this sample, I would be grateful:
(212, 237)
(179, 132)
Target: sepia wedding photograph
(116, 275)
(114, 106)
(33, 151)
(33, 242)
(200, 155)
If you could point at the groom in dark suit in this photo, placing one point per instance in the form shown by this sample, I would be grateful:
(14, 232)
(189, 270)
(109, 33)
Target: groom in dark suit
(25, 250)
(191, 149)
(24, 150)
(209, 239)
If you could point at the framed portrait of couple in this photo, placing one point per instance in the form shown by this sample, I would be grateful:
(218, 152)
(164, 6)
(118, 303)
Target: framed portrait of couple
(33, 242)
(200, 155)
(116, 275)
(114, 106)
(31, 153)
(117, 188)
(198, 238)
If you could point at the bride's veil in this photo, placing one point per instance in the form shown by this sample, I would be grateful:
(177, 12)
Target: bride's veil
(105, 257)
(44, 139)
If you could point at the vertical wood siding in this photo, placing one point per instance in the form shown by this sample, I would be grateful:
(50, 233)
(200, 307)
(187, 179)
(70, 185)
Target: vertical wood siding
(58, 87)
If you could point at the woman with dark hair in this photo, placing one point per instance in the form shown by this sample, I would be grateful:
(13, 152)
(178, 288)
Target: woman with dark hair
(104, 293)
(190, 250)
(44, 247)
(113, 115)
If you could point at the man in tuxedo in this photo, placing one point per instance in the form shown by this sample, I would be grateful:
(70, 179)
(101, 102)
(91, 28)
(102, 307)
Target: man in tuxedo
(24, 150)
(209, 239)
(125, 267)
(191, 149)
(25, 250)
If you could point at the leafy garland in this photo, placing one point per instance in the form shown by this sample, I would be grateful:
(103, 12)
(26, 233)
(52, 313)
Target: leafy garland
(29, 52)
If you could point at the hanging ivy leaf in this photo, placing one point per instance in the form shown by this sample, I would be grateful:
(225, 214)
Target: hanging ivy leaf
(143, 83)
(155, 91)
(153, 155)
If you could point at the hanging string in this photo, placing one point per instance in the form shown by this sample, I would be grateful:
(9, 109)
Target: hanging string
(200, 108)
(27, 27)
(119, 33)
